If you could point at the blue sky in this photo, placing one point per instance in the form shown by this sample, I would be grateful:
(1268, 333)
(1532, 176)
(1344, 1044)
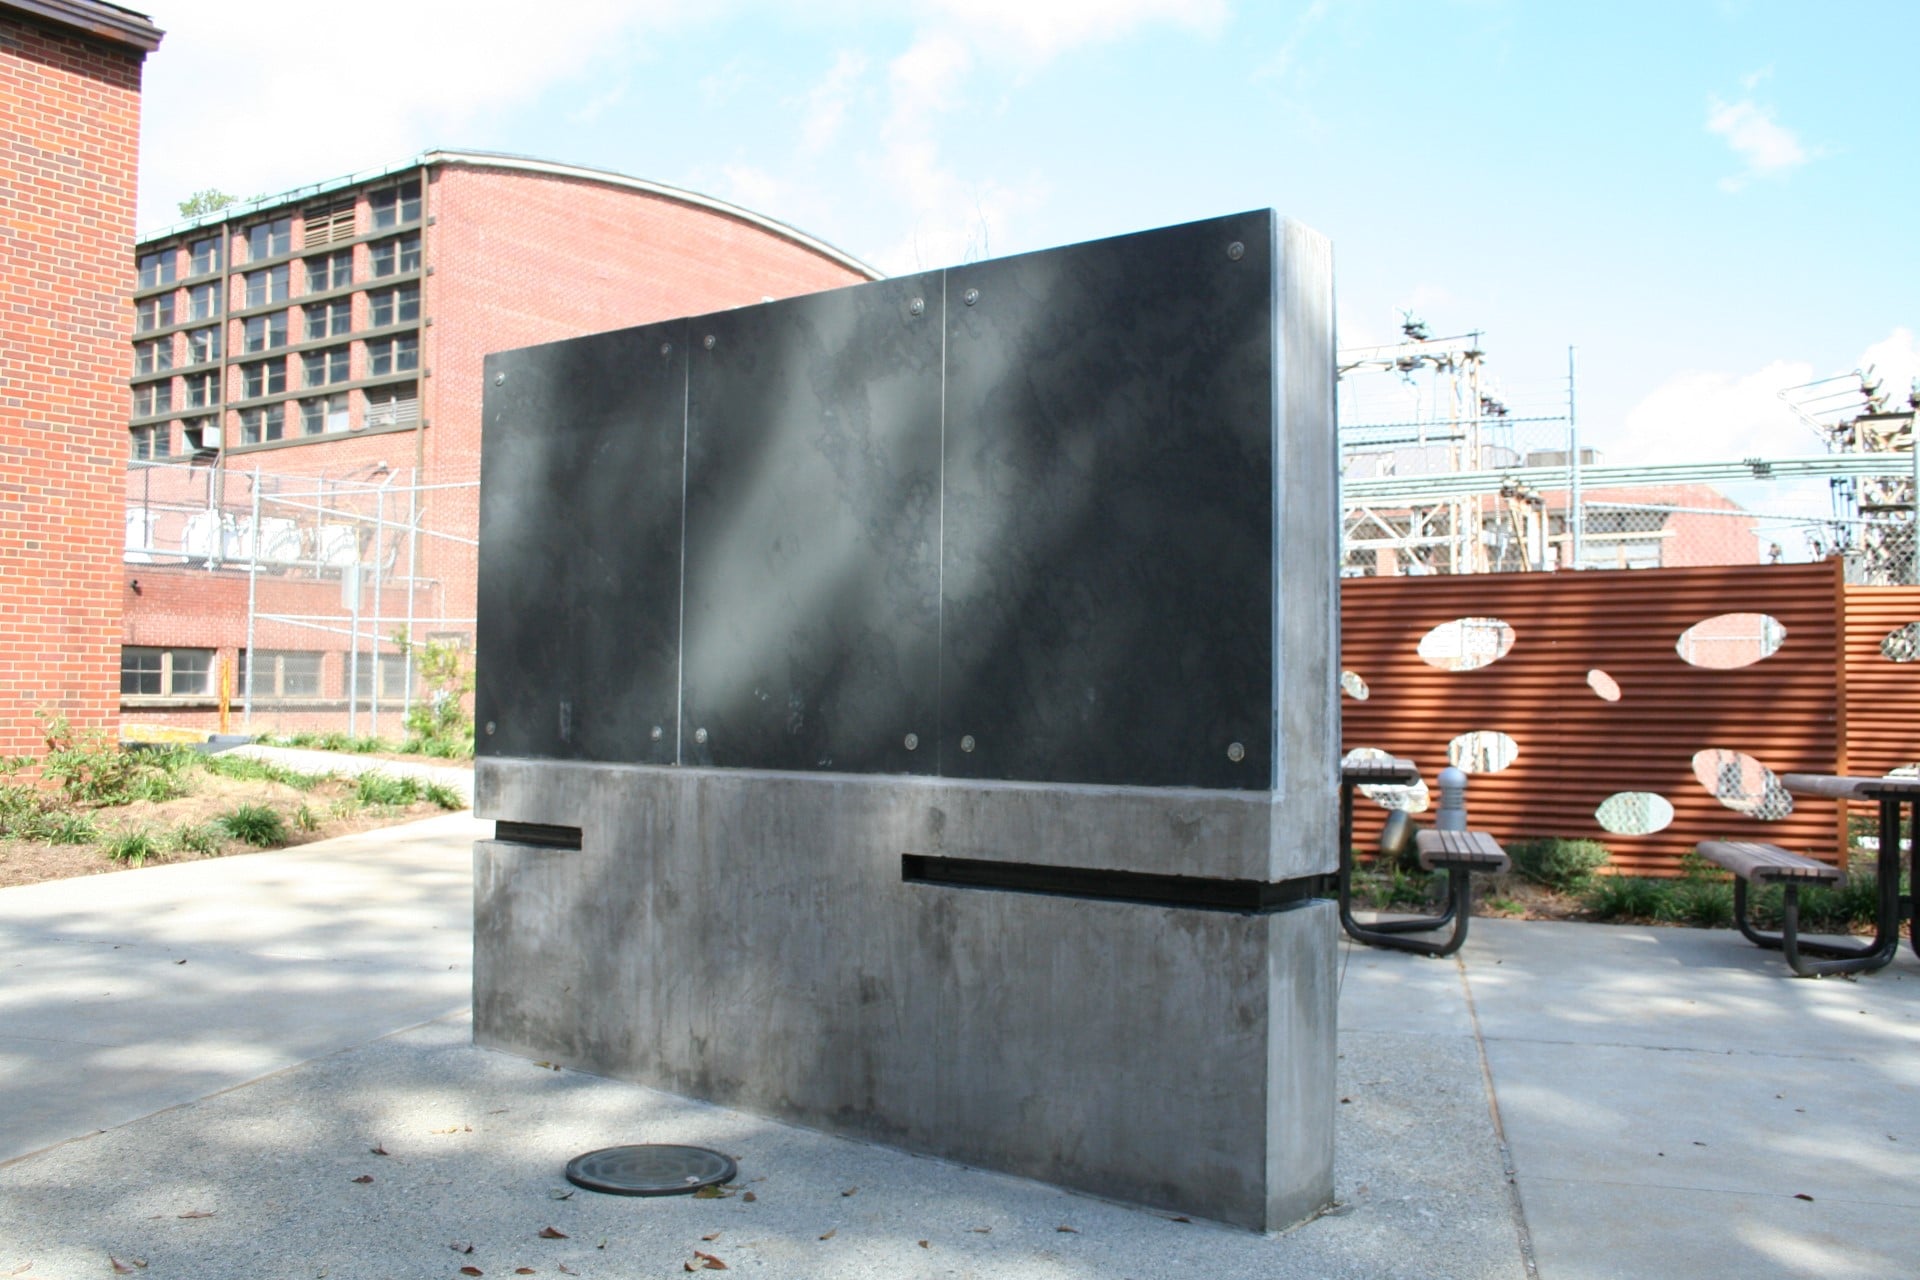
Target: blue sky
(1711, 199)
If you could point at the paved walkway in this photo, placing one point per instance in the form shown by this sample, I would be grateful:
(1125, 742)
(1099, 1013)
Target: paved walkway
(197, 1062)
(458, 776)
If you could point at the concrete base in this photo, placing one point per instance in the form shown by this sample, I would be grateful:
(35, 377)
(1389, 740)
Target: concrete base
(748, 938)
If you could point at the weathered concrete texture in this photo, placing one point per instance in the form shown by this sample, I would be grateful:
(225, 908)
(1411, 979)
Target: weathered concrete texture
(748, 938)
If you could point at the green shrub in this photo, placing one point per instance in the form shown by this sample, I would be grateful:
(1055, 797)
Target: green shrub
(256, 824)
(1388, 888)
(91, 768)
(1627, 898)
(443, 795)
(305, 819)
(132, 847)
(1702, 903)
(69, 828)
(196, 837)
(375, 788)
(1566, 866)
(248, 769)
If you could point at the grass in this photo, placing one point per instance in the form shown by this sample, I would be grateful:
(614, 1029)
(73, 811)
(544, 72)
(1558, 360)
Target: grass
(433, 746)
(384, 790)
(203, 838)
(255, 824)
(248, 769)
(133, 847)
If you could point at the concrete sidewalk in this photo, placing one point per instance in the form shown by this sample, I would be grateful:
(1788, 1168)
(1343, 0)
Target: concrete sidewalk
(1663, 1098)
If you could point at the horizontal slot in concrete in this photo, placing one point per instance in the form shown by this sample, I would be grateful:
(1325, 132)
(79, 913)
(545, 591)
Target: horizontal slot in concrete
(543, 834)
(1204, 893)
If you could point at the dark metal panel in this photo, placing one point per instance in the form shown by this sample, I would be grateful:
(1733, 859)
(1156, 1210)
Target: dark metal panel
(1108, 553)
(579, 588)
(813, 527)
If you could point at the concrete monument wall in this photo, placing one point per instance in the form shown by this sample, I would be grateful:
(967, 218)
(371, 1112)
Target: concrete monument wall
(910, 710)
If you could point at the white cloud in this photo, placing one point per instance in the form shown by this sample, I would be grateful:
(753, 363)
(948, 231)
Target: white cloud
(825, 108)
(257, 98)
(1768, 149)
(1041, 29)
(1276, 67)
(1895, 362)
(1706, 416)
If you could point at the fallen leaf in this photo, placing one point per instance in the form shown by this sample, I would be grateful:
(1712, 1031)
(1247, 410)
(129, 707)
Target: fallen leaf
(1069, 1230)
(1344, 1101)
(849, 1191)
(471, 1271)
(749, 1197)
(128, 1267)
(523, 1271)
(548, 1233)
(460, 1246)
(179, 961)
(566, 1270)
(831, 1233)
(22, 1269)
(925, 1245)
(1181, 1218)
(559, 1193)
(198, 1213)
(708, 1262)
(711, 1238)
(711, 1192)
(981, 1231)
(377, 1149)
(458, 1128)
(364, 1178)
(1801, 1195)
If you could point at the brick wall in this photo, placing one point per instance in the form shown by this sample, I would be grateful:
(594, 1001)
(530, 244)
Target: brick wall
(70, 112)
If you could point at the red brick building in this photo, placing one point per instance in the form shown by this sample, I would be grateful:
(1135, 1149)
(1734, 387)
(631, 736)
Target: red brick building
(70, 114)
(306, 407)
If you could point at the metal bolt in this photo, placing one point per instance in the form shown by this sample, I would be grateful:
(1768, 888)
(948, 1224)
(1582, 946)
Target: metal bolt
(699, 735)
(707, 342)
(489, 728)
(666, 348)
(913, 742)
(1236, 251)
(917, 306)
(1236, 752)
(966, 743)
(970, 297)
(657, 734)
(499, 378)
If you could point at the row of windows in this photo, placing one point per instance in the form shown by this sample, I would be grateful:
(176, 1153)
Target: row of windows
(400, 305)
(398, 256)
(281, 673)
(313, 416)
(322, 368)
(394, 206)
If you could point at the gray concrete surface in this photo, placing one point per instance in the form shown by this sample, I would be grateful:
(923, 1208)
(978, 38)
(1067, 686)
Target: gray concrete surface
(334, 1026)
(748, 938)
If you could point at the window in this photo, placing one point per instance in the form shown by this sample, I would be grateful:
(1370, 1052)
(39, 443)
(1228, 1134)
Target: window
(327, 413)
(152, 443)
(257, 426)
(179, 672)
(267, 378)
(153, 357)
(203, 389)
(203, 302)
(265, 333)
(394, 306)
(267, 286)
(321, 367)
(150, 398)
(397, 256)
(396, 206)
(203, 345)
(153, 313)
(329, 271)
(328, 223)
(193, 431)
(395, 673)
(395, 355)
(329, 319)
(269, 239)
(281, 673)
(391, 406)
(156, 269)
(203, 256)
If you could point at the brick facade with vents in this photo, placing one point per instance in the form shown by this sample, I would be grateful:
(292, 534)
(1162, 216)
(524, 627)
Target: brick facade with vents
(512, 254)
(70, 112)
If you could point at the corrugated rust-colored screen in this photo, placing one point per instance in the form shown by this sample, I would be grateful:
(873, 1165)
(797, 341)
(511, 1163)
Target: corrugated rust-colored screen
(1883, 678)
(1576, 637)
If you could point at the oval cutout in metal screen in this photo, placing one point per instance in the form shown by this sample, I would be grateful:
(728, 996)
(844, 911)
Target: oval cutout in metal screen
(1728, 641)
(1466, 644)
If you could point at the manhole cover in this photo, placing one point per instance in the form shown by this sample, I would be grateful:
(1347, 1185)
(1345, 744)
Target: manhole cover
(652, 1169)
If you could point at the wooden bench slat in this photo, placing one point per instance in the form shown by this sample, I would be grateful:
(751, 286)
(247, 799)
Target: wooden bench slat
(1394, 772)
(1765, 863)
(1467, 850)
(1821, 784)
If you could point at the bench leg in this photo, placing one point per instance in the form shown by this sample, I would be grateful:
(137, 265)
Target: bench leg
(1391, 933)
(1841, 957)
